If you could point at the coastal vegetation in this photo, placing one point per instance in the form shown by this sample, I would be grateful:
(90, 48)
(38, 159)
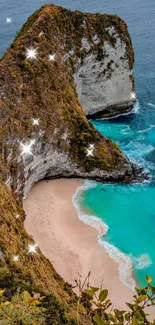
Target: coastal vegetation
(24, 308)
(32, 292)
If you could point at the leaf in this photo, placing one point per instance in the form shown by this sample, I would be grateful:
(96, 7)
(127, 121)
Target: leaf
(94, 289)
(135, 321)
(143, 297)
(98, 320)
(127, 316)
(107, 302)
(26, 296)
(137, 290)
(148, 278)
(142, 313)
(111, 317)
(138, 315)
(1, 292)
(107, 306)
(103, 295)
(119, 314)
(130, 306)
(89, 292)
(42, 297)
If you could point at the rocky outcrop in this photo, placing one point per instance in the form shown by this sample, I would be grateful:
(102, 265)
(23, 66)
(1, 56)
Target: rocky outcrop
(57, 146)
(44, 89)
(105, 84)
(103, 66)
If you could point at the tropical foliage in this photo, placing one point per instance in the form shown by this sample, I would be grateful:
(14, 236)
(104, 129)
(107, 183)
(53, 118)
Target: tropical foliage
(23, 309)
(26, 309)
(105, 314)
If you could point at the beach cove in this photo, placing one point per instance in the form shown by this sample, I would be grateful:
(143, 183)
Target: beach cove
(70, 244)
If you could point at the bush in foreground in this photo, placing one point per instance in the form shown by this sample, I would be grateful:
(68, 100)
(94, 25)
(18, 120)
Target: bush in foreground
(103, 314)
(26, 309)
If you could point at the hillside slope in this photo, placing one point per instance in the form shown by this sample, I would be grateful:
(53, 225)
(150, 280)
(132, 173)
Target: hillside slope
(44, 89)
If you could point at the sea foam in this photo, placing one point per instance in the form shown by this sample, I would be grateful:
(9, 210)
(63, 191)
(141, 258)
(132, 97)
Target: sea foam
(150, 104)
(124, 261)
(146, 130)
(135, 110)
(90, 220)
(141, 262)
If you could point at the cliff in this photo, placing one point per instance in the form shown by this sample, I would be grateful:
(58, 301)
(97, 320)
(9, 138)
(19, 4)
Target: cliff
(97, 50)
(43, 88)
(103, 71)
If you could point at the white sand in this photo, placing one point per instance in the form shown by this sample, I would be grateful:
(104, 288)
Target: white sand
(67, 242)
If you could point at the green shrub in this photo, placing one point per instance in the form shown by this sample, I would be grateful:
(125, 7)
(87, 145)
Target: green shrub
(135, 315)
(23, 309)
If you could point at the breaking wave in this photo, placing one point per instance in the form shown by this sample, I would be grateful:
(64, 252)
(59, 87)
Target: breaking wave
(90, 220)
(141, 262)
(150, 104)
(136, 107)
(124, 261)
(148, 129)
(135, 110)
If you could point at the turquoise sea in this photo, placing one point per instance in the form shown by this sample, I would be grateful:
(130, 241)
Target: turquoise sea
(128, 211)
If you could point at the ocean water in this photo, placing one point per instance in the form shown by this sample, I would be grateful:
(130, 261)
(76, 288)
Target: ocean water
(126, 211)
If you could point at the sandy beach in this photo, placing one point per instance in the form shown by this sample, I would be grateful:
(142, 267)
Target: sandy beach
(70, 244)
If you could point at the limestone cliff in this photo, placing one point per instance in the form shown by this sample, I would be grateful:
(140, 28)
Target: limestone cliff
(44, 89)
(103, 74)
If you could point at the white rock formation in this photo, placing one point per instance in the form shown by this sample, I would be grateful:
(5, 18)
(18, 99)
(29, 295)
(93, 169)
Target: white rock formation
(50, 162)
(106, 84)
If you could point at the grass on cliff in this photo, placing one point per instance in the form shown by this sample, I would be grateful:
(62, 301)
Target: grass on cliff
(44, 90)
(47, 89)
(33, 272)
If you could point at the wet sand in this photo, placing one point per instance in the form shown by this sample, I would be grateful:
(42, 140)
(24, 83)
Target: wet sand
(69, 243)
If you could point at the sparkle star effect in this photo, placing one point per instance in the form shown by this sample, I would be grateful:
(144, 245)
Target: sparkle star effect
(32, 248)
(133, 96)
(26, 148)
(8, 20)
(17, 216)
(91, 146)
(35, 121)
(33, 141)
(31, 53)
(16, 258)
(89, 152)
(51, 57)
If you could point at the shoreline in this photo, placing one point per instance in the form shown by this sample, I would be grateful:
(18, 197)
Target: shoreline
(71, 245)
(121, 259)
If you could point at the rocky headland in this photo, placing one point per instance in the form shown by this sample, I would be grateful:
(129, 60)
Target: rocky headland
(91, 74)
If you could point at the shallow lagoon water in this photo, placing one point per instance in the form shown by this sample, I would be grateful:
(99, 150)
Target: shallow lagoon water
(128, 210)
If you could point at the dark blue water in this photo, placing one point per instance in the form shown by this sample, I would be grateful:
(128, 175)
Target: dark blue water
(128, 210)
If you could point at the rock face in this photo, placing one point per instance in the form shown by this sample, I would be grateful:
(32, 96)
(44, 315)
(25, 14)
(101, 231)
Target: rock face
(104, 85)
(44, 89)
(103, 65)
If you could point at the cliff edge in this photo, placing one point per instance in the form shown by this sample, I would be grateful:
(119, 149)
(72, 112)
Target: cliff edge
(37, 82)
(44, 132)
